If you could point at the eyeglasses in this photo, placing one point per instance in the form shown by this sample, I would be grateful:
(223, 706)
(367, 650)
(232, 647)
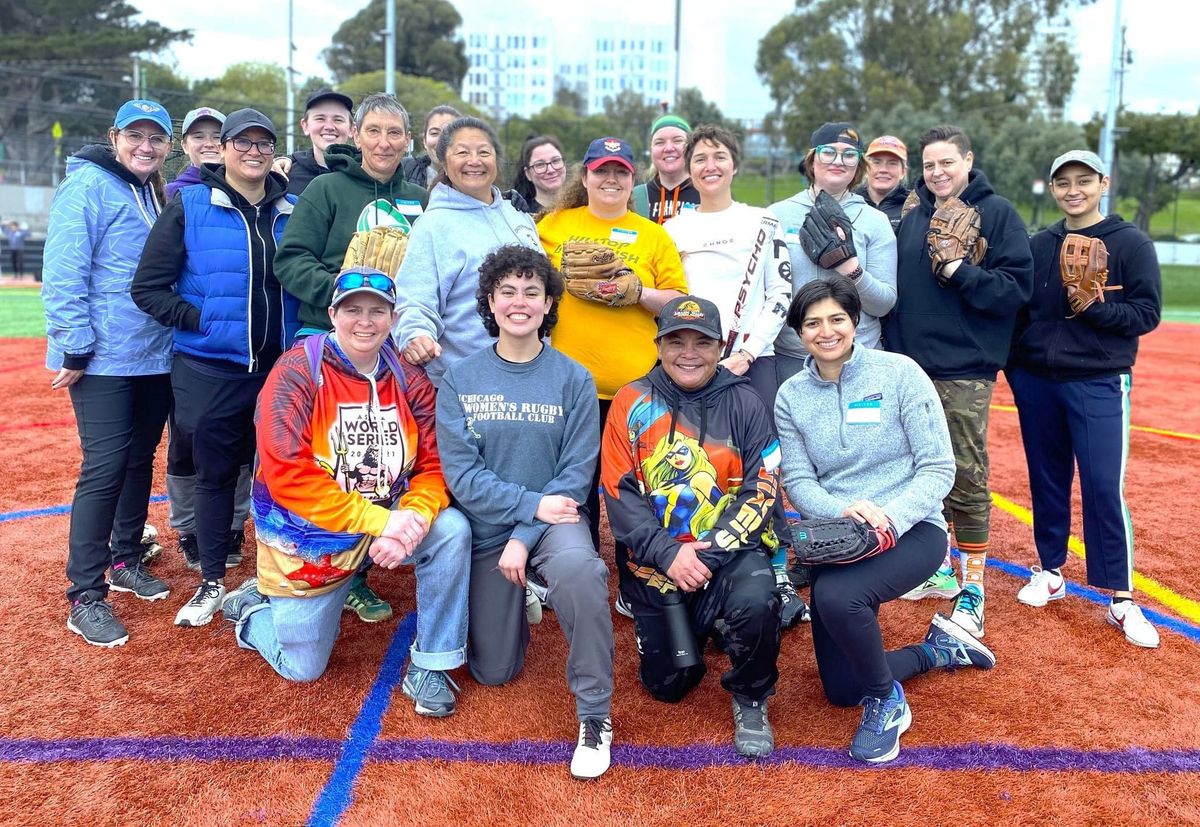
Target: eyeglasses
(139, 138)
(265, 146)
(378, 281)
(540, 167)
(827, 155)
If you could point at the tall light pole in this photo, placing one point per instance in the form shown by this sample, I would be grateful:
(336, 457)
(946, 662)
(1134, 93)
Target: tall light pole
(1108, 135)
(291, 80)
(678, 56)
(389, 45)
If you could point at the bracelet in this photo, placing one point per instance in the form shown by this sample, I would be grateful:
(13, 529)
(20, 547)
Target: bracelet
(855, 274)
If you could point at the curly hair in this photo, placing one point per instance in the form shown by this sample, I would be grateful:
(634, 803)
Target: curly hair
(574, 191)
(515, 259)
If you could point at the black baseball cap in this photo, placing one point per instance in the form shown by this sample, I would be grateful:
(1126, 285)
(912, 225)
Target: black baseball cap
(690, 313)
(328, 94)
(241, 120)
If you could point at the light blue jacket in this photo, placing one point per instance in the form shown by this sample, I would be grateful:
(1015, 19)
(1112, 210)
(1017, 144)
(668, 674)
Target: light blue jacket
(99, 221)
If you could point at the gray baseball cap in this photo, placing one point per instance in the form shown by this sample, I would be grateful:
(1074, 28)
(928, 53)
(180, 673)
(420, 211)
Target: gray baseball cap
(1079, 156)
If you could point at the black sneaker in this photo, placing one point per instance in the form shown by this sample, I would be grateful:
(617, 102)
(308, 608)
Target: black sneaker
(135, 580)
(792, 608)
(92, 618)
(234, 558)
(190, 551)
(799, 576)
(752, 734)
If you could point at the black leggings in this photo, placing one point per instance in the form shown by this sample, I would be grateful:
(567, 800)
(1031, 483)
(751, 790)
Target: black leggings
(845, 624)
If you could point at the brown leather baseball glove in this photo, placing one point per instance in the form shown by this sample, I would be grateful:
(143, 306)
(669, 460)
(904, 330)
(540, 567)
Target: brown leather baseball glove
(381, 247)
(1083, 262)
(954, 233)
(595, 273)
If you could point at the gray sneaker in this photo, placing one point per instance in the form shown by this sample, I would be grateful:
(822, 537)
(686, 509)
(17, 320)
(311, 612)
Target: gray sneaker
(430, 690)
(205, 603)
(134, 579)
(150, 545)
(752, 734)
(242, 601)
(92, 618)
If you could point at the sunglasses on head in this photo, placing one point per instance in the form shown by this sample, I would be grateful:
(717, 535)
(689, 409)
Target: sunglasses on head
(378, 281)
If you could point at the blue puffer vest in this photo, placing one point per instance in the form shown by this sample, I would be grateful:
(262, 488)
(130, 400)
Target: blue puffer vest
(216, 275)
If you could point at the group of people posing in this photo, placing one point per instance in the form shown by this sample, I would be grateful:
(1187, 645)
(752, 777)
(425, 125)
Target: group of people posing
(467, 412)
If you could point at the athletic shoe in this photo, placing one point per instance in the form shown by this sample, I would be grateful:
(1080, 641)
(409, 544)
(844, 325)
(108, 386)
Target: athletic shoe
(370, 607)
(241, 602)
(431, 691)
(1127, 616)
(137, 581)
(92, 618)
(968, 610)
(961, 648)
(793, 609)
(1043, 586)
(233, 558)
(204, 604)
(752, 734)
(150, 546)
(535, 601)
(942, 583)
(593, 749)
(622, 606)
(190, 551)
(884, 720)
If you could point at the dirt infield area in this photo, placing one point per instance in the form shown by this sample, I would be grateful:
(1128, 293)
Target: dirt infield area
(1073, 726)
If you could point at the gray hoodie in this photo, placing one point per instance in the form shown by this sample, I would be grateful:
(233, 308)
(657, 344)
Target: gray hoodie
(876, 246)
(440, 274)
(878, 433)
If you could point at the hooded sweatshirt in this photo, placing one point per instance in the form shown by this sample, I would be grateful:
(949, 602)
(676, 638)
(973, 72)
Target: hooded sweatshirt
(891, 205)
(304, 170)
(1102, 340)
(332, 209)
(189, 176)
(658, 203)
(99, 221)
(440, 273)
(876, 246)
(679, 466)
(962, 330)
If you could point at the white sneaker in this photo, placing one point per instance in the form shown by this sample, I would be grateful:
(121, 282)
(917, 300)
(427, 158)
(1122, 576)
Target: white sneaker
(622, 606)
(968, 610)
(592, 752)
(205, 603)
(1127, 616)
(535, 601)
(1043, 586)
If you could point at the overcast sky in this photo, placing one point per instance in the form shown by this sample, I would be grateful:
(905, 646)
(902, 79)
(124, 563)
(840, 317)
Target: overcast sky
(1164, 76)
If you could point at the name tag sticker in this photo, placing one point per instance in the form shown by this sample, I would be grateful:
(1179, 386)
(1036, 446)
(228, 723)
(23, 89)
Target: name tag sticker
(408, 207)
(864, 412)
(622, 236)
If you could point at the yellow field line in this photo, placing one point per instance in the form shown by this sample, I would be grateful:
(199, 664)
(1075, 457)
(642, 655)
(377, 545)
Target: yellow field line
(1144, 428)
(1185, 607)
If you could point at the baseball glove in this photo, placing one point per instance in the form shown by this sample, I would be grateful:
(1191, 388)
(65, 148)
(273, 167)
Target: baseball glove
(910, 203)
(840, 540)
(595, 273)
(954, 233)
(381, 247)
(819, 236)
(1083, 262)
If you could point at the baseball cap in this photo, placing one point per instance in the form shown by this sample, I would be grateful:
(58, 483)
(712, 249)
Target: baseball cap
(142, 110)
(670, 120)
(328, 94)
(603, 150)
(690, 313)
(199, 115)
(1079, 156)
(243, 119)
(832, 133)
(888, 145)
(355, 280)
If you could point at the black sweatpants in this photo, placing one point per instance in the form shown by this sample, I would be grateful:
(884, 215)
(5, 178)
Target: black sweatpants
(120, 421)
(845, 617)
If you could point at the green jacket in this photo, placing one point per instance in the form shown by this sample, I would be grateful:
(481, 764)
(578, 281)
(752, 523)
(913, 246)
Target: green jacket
(331, 209)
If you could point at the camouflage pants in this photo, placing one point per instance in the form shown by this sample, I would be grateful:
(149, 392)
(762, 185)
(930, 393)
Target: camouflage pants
(968, 506)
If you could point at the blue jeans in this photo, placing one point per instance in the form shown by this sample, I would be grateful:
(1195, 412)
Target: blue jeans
(296, 634)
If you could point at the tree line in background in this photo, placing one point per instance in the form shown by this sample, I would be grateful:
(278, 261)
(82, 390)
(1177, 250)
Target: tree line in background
(999, 68)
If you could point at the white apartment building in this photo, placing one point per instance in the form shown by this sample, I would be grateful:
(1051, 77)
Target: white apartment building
(510, 69)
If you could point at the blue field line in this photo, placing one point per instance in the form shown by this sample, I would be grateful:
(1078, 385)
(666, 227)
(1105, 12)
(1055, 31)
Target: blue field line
(335, 798)
(54, 510)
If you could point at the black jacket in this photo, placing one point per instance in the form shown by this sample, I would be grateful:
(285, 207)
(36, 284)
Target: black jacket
(416, 170)
(304, 169)
(1103, 340)
(962, 330)
(890, 205)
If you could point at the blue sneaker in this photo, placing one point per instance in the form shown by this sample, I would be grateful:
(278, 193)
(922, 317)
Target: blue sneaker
(884, 720)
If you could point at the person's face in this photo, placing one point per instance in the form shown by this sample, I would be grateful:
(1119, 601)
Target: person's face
(137, 150)
(202, 142)
(666, 151)
(828, 332)
(326, 123)
(546, 168)
(248, 166)
(520, 305)
(884, 172)
(383, 141)
(433, 131)
(712, 169)
(609, 186)
(1077, 190)
(689, 358)
(945, 169)
(834, 166)
(362, 321)
(471, 163)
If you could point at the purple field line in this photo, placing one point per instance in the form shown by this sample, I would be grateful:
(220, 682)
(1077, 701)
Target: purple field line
(686, 757)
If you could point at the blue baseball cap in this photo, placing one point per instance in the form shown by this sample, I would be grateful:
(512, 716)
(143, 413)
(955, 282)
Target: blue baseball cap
(603, 150)
(142, 110)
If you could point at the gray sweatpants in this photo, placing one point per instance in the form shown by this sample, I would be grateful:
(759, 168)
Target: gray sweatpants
(577, 578)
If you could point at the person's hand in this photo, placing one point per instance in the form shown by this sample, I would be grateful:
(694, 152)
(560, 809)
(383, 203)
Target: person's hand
(555, 509)
(737, 363)
(422, 349)
(686, 571)
(951, 268)
(513, 560)
(388, 553)
(849, 265)
(282, 165)
(866, 511)
(65, 379)
(408, 527)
